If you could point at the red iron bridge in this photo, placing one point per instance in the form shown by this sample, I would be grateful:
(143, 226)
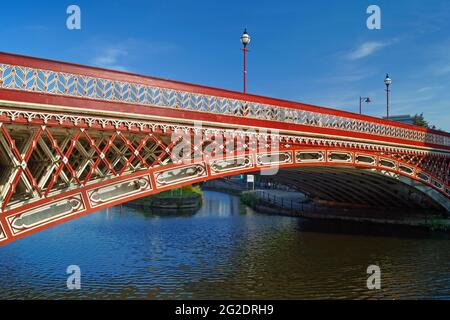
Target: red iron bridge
(77, 139)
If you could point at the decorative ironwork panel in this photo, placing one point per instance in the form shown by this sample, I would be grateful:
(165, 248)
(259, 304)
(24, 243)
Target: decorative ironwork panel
(45, 214)
(74, 85)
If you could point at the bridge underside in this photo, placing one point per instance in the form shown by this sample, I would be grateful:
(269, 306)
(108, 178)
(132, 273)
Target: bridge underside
(355, 187)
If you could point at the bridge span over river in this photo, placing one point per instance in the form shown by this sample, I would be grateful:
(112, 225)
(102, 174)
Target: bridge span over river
(77, 139)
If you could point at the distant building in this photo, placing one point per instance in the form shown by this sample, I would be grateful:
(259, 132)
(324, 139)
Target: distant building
(402, 118)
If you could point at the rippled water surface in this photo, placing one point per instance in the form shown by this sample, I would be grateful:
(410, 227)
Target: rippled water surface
(223, 251)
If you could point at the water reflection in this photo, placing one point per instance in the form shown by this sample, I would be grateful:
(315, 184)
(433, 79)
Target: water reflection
(222, 251)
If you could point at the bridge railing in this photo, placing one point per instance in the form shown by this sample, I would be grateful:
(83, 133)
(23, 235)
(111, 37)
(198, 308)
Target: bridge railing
(301, 207)
(47, 77)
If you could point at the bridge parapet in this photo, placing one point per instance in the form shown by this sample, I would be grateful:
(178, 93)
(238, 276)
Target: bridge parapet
(69, 82)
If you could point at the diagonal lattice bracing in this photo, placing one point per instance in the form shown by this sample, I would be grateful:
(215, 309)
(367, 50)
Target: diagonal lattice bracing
(51, 159)
(45, 160)
(19, 174)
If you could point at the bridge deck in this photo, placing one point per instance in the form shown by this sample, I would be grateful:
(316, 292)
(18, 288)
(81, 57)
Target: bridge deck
(76, 139)
(64, 87)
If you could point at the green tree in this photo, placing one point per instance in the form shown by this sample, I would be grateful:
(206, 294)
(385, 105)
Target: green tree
(420, 121)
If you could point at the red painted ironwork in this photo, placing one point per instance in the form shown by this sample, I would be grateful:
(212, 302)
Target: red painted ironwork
(245, 50)
(69, 154)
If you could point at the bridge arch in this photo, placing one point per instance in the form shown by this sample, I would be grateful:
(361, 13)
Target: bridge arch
(313, 178)
(360, 187)
(76, 139)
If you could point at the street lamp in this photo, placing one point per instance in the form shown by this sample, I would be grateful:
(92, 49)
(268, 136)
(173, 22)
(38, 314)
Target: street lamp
(361, 100)
(387, 82)
(245, 40)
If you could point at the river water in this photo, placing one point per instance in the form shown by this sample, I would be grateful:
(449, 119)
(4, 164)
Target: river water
(224, 251)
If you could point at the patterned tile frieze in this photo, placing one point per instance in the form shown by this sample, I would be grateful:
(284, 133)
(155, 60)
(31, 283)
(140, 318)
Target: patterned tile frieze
(75, 85)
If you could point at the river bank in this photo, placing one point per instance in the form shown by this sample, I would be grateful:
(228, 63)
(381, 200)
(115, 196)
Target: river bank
(367, 216)
(294, 204)
(188, 199)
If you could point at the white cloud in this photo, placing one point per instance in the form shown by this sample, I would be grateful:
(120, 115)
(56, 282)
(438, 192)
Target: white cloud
(111, 58)
(366, 49)
(336, 79)
(427, 89)
(121, 55)
(442, 69)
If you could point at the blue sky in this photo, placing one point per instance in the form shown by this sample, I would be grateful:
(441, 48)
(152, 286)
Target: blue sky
(318, 52)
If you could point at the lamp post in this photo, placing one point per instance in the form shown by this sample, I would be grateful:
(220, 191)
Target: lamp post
(245, 40)
(387, 82)
(361, 100)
